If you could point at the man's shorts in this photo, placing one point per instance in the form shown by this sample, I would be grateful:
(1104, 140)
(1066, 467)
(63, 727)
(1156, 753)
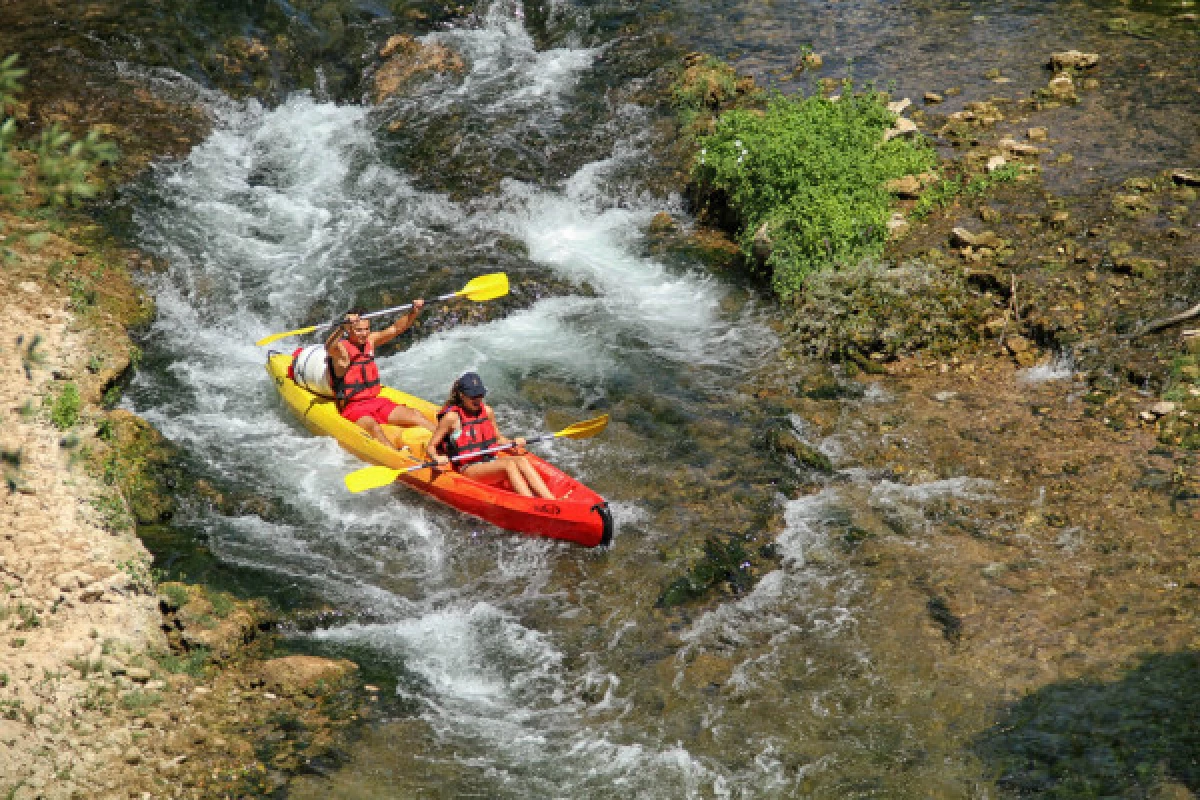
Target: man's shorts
(378, 407)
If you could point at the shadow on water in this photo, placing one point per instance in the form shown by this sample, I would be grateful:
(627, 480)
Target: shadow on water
(1093, 739)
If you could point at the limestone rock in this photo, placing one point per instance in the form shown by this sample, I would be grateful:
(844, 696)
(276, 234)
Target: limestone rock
(961, 237)
(903, 127)
(1061, 87)
(1036, 134)
(293, 675)
(138, 674)
(1162, 409)
(408, 60)
(762, 246)
(1184, 177)
(899, 106)
(995, 162)
(897, 225)
(75, 579)
(1019, 148)
(662, 222)
(933, 98)
(1073, 59)
(990, 240)
(1132, 204)
(908, 186)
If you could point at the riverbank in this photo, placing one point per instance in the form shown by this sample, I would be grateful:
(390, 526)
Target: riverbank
(113, 683)
(1005, 372)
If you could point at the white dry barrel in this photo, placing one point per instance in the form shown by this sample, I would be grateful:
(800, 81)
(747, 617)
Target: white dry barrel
(311, 367)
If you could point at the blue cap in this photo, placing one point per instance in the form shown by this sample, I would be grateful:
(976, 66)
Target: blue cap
(471, 385)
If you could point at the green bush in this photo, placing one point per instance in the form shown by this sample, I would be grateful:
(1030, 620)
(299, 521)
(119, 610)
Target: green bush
(812, 171)
(65, 164)
(65, 412)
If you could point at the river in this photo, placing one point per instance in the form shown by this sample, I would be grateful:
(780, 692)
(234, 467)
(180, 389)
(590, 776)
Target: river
(517, 667)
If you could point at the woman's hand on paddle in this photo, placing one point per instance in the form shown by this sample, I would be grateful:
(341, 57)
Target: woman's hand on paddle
(519, 445)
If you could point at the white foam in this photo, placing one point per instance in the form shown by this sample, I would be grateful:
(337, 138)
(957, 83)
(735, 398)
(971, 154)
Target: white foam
(1059, 368)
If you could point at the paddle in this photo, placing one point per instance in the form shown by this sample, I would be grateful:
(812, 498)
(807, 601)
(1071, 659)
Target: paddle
(485, 287)
(375, 477)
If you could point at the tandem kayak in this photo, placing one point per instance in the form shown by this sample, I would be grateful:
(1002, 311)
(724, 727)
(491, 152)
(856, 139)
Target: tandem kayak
(577, 515)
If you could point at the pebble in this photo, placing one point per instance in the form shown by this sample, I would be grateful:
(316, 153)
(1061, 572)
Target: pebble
(933, 98)
(945, 397)
(1162, 409)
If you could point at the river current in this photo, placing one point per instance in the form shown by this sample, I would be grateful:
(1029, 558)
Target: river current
(520, 667)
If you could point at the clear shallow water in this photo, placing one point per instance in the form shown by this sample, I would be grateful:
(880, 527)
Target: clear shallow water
(522, 667)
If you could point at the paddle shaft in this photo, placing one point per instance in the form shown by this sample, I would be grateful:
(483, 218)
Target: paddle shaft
(385, 311)
(498, 448)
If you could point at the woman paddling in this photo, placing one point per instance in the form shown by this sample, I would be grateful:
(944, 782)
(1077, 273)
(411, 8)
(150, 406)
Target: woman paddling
(465, 426)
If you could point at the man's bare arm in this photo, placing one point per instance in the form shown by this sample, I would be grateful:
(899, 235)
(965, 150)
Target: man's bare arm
(399, 326)
(337, 353)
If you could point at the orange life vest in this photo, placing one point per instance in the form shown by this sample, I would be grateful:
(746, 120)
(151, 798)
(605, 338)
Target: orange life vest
(361, 379)
(477, 433)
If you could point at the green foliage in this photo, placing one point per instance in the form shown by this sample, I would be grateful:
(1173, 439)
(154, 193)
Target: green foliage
(223, 604)
(65, 412)
(177, 594)
(871, 310)
(139, 700)
(810, 174)
(944, 192)
(705, 83)
(65, 164)
(191, 663)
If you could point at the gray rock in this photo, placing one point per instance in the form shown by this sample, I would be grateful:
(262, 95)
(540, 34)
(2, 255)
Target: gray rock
(139, 674)
(961, 237)
(1162, 409)
(1074, 59)
(1185, 177)
(908, 186)
(903, 127)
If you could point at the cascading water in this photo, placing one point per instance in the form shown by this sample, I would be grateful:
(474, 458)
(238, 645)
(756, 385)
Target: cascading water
(292, 209)
(532, 669)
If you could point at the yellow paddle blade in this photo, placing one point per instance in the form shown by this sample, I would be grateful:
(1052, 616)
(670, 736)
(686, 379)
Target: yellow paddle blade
(582, 430)
(274, 337)
(486, 287)
(371, 478)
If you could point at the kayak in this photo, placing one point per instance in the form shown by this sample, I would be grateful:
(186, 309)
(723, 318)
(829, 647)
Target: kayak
(578, 514)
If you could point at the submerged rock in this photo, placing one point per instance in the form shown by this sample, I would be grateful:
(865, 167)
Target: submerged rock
(1073, 59)
(408, 59)
(1184, 177)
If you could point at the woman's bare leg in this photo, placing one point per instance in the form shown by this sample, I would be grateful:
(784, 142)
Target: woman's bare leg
(501, 466)
(533, 478)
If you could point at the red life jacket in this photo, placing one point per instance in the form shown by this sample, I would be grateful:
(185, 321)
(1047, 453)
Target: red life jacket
(361, 379)
(477, 433)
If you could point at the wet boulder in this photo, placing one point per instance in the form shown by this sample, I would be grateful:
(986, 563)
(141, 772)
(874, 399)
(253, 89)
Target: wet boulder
(908, 186)
(409, 60)
(294, 675)
(1073, 59)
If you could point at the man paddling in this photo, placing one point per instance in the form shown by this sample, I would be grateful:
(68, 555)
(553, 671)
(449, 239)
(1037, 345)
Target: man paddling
(354, 374)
